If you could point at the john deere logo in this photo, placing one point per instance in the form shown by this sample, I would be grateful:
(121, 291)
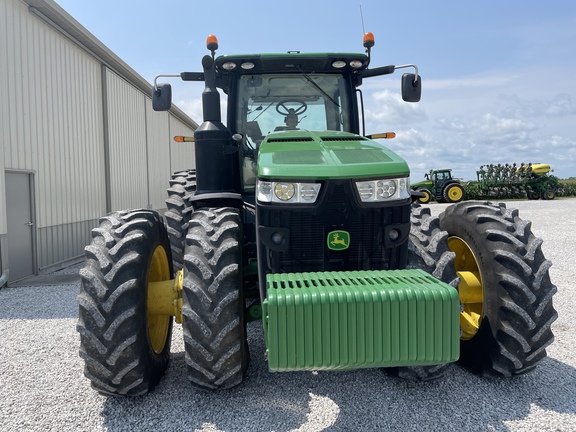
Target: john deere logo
(338, 240)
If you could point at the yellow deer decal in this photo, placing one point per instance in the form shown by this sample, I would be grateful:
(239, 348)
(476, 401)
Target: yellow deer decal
(338, 240)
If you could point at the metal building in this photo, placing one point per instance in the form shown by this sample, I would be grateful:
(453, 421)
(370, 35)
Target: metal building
(78, 138)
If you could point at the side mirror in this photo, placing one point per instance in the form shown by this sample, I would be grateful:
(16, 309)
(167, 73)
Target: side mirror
(411, 89)
(162, 97)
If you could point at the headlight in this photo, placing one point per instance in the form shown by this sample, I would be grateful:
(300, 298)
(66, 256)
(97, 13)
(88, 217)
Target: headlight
(287, 192)
(384, 189)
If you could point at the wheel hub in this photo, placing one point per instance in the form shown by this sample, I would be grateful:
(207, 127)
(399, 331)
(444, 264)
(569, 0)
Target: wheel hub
(470, 288)
(162, 299)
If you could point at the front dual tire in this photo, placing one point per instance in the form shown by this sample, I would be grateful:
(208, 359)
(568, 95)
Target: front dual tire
(213, 305)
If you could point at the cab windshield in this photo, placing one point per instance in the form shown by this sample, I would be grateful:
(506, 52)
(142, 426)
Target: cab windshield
(272, 103)
(288, 102)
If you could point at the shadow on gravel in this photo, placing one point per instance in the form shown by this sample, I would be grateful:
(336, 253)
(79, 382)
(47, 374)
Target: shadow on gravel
(360, 400)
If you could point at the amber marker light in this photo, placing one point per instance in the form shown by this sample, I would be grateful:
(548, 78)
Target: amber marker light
(369, 40)
(180, 138)
(212, 43)
(386, 135)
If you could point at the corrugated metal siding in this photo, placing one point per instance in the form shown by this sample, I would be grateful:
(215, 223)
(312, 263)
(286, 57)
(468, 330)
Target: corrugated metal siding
(52, 124)
(55, 119)
(158, 139)
(127, 144)
(62, 242)
(164, 155)
(142, 152)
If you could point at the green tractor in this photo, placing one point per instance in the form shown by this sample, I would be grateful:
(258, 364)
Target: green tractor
(441, 186)
(295, 217)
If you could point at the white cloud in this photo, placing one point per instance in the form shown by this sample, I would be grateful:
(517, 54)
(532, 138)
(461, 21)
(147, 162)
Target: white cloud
(499, 130)
(385, 109)
(560, 105)
(469, 82)
(192, 107)
(491, 117)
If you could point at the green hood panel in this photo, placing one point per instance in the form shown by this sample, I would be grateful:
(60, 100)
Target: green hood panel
(325, 155)
(426, 184)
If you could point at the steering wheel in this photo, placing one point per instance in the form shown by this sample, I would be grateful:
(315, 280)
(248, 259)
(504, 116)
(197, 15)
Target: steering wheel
(282, 109)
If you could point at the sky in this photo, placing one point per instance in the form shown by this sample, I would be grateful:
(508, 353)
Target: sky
(498, 75)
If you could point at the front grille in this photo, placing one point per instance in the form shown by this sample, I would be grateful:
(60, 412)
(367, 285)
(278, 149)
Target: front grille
(307, 229)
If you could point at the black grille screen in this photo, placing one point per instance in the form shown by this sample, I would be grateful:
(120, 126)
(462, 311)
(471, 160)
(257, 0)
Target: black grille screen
(306, 250)
(307, 230)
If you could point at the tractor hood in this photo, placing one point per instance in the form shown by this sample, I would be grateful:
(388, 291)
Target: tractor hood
(425, 184)
(323, 155)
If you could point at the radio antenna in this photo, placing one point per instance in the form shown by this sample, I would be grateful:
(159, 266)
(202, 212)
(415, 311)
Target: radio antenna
(362, 19)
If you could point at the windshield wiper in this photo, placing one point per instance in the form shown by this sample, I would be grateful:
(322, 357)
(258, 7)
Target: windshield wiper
(317, 87)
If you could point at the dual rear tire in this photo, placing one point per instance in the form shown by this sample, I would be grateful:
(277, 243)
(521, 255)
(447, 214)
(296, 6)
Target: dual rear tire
(125, 347)
(505, 288)
(492, 257)
(182, 186)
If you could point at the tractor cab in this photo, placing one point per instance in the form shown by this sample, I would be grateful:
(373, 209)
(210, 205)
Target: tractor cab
(439, 179)
(279, 102)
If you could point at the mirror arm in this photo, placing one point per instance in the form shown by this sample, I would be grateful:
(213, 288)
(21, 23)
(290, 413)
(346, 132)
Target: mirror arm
(409, 65)
(185, 76)
(163, 76)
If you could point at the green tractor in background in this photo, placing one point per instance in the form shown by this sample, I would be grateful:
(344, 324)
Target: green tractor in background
(296, 217)
(441, 186)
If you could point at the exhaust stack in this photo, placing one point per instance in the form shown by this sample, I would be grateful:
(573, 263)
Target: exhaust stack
(216, 161)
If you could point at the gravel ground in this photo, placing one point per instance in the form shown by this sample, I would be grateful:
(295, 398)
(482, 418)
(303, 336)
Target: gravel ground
(43, 387)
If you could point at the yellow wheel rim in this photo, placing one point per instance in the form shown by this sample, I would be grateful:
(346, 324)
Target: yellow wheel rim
(158, 325)
(470, 289)
(426, 199)
(455, 193)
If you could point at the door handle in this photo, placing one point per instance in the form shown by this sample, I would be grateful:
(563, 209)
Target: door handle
(29, 224)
